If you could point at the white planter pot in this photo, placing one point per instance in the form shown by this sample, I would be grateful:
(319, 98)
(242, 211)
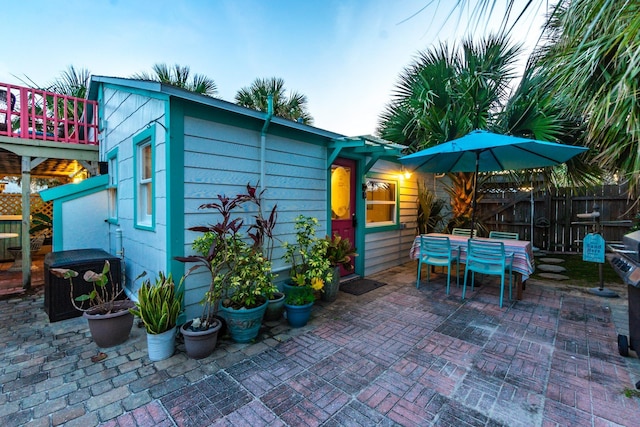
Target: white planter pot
(161, 346)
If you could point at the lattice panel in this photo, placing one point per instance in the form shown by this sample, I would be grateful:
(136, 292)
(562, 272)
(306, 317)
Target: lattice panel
(11, 204)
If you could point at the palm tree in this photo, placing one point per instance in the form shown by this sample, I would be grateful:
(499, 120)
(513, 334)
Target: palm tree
(447, 93)
(180, 76)
(72, 82)
(591, 55)
(534, 110)
(592, 58)
(292, 107)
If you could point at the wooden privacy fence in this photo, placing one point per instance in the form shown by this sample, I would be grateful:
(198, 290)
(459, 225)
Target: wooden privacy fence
(554, 217)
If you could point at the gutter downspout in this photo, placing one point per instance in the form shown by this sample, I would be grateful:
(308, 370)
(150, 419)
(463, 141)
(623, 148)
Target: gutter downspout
(263, 140)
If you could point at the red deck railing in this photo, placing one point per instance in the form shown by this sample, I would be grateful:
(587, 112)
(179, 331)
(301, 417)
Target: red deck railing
(47, 116)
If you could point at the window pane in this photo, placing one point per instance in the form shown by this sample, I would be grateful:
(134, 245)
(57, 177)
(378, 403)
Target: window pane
(340, 192)
(381, 203)
(113, 172)
(381, 213)
(149, 201)
(113, 202)
(144, 175)
(381, 191)
(146, 162)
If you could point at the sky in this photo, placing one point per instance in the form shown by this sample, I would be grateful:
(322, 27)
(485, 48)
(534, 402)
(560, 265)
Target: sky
(344, 55)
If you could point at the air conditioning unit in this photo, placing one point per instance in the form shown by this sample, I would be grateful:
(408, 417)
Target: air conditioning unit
(57, 291)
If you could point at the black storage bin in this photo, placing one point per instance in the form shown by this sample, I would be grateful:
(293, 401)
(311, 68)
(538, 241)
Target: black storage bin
(57, 299)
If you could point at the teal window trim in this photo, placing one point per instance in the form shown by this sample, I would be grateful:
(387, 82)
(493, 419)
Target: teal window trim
(112, 186)
(175, 114)
(385, 227)
(64, 193)
(147, 136)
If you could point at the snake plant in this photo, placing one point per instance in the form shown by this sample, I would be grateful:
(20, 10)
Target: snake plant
(159, 305)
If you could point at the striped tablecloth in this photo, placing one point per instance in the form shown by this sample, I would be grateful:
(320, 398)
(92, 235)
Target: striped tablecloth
(523, 261)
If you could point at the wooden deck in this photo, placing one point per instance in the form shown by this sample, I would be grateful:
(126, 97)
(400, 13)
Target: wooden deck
(58, 134)
(11, 281)
(37, 114)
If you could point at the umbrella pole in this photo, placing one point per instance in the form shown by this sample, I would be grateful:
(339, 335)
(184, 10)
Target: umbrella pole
(475, 192)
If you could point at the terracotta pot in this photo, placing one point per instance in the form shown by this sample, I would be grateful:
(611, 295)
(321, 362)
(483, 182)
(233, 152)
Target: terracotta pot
(200, 344)
(110, 329)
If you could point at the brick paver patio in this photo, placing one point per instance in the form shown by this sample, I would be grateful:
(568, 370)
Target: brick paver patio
(394, 356)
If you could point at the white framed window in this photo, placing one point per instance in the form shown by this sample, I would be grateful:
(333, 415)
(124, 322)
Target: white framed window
(382, 202)
(112, 186)
(144, 174)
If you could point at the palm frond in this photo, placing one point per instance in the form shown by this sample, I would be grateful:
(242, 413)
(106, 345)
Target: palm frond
(293, 107)
(179, 76)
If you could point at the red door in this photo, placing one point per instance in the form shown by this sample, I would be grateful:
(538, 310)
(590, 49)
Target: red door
(343, 202)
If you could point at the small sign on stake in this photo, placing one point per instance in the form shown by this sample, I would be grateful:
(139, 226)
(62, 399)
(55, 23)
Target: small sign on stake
(593, 250)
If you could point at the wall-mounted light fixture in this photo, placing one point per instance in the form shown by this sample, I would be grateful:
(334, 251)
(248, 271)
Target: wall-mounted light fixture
(406, 173)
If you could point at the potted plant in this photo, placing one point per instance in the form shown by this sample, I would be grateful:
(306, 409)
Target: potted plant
(158, 307)
(201, 333)
(240, 274)
(246, 284)
(262, 234)
(339, 253)
(201, 337)
(310, 270)
(41, 223)
(108, 317)
(275, 304)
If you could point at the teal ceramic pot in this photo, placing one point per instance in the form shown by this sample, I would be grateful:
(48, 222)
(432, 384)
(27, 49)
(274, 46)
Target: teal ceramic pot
(290, 289)
(275, 308)
(243, 324)
(298, 315)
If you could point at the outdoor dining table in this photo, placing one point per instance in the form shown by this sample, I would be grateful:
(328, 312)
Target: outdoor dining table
(523, 261)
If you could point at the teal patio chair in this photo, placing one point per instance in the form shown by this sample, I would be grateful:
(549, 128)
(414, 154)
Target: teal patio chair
(504, 235)
(464, 232)
(487, 257)
(436, 250)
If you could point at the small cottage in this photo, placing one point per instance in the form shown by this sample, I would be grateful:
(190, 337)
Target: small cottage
(166, 151)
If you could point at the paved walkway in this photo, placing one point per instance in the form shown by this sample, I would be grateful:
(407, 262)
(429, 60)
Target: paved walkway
(394, 356)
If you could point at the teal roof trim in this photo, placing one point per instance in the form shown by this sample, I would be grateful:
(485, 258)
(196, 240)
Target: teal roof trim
(173, 91)
(361, 146)
(74, 191)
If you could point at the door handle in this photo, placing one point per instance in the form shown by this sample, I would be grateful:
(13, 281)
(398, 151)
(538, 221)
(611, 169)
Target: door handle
(354, 220)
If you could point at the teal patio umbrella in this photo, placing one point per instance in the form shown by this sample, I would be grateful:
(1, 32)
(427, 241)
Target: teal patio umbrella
(482, 151)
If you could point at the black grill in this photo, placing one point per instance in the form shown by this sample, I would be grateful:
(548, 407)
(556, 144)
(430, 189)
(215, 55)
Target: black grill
(626, 262)
(626, 258)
